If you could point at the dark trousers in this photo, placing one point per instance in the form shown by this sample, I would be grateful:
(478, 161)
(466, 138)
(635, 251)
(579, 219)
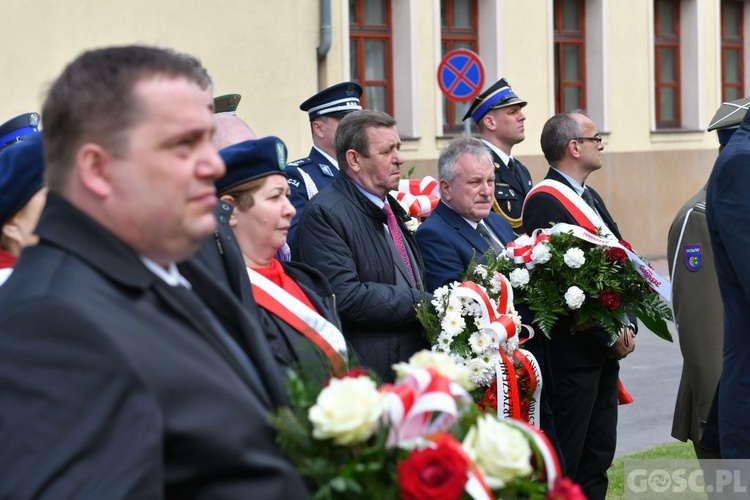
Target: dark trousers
(585, 412)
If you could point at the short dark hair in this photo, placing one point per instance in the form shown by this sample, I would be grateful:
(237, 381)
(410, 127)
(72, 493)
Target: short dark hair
(92, 100)
(558, 132)
(456, 148)
(352, 132)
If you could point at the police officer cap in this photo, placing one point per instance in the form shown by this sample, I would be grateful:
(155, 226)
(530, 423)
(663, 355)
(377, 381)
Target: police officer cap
(337, 100)
(21, 175)
(728, 117)
(17, 128)
(250, 160)
(227, 103)
(499, 95)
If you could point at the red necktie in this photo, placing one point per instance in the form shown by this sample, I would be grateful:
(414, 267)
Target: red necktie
(398, 239)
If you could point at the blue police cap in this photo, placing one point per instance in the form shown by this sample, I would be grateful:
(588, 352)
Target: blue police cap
(337, 100)
(21, 175)
(17, 128)
(250, 160)
(499, 95)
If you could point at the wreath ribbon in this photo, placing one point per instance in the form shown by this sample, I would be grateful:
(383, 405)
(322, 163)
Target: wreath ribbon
(420, 196)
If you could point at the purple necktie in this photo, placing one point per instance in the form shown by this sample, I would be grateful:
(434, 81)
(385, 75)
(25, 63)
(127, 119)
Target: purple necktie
(398, 239)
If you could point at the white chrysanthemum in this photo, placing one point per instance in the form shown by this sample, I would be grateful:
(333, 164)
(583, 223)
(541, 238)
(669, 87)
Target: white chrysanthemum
(453, 323)
(472, 309)
(541, 253)
(478, 370)
(516, 319)
(479, 342)
(412, 224)
(481, 271)
(444, 341)
(519, 277)
(511, 344)
(574, 258)
(494, 338)
(490, 358)
(495, 287)
(454, 306)
(457, 358)
(574, 297)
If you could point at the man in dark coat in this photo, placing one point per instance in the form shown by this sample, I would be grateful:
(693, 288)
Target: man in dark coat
(583, 363)
(728, 217)
(124, 375)
(367, 254)
(463, 226)
(500, 120)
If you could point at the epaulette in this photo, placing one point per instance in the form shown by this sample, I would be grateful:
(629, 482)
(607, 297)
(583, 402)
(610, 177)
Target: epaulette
(297, 163)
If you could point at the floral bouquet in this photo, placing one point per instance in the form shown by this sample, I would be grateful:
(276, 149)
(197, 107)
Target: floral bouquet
(422, 438)
(567, 269)
(475, 323)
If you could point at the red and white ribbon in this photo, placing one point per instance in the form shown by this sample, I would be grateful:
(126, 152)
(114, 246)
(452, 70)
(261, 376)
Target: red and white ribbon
(422, 403)
(420, 196)
(544, 447)
(491, 319)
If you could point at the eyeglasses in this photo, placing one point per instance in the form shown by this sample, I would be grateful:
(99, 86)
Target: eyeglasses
(597, 139)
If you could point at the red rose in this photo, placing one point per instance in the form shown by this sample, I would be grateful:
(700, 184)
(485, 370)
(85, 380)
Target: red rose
(489, 400)
(565, 489)
(432, 473)
(609, 299)
(616, 254)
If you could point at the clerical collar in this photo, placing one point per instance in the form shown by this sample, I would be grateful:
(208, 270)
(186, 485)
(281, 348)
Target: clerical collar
(498, 152)
(171, 275)
(574, 184)
(333, 162)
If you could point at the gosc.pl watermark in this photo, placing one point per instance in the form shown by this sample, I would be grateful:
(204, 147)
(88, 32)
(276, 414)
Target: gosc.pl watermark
(663, 479)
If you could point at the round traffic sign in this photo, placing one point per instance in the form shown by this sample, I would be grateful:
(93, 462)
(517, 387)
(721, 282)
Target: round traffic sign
(460, 75)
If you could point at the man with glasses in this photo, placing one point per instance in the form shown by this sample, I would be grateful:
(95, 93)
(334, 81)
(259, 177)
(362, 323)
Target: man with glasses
(498, 115)
(584, 363)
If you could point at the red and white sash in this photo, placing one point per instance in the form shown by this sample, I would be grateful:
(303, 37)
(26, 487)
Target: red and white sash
(302, 318)
(7, 261)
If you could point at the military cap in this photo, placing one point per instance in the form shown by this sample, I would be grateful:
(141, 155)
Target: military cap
(16, 128)
(728, 117)
(227, 103)
(499, 95)
(21, 174)
(250, 160)
(337, 100)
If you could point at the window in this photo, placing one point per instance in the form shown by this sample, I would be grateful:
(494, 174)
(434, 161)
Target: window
(667, 63)
(570, 55)
(732, 50)
(370, 52)
(458, 21)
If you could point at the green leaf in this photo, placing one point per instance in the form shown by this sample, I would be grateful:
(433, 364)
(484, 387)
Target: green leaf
(656, 325)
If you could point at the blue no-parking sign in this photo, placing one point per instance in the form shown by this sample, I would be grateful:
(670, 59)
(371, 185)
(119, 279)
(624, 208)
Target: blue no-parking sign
(460, 75)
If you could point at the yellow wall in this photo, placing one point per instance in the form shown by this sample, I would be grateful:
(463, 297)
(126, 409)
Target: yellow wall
(266, 51)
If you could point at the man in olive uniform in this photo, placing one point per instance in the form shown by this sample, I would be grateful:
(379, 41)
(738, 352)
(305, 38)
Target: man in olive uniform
(309, 175)
(498, 115)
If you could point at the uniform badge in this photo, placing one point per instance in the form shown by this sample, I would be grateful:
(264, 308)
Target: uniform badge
(326, 169)
(693, 257)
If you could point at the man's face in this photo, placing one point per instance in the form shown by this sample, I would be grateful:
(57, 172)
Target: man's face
(471, 193)
(381, 171)
(590, 149)
(324, 129)
(508, 123)
(162, 188)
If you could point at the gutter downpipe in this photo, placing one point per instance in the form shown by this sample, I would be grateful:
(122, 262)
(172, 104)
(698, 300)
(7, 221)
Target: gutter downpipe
(325, 34)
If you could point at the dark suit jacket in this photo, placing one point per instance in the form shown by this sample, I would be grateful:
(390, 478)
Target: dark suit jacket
(448, 243)
(582, 349)
(728, 216)
(510, 190)
(112, 387)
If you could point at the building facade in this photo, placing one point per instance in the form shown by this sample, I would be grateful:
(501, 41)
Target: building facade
(650, 73)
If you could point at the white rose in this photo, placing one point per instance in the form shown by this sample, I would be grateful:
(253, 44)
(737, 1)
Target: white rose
(518, 277)
(412, 224)
(541, 253)
(574, 297)
(574, 258)
(500, 451)
(442, 362)
(347, 411)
